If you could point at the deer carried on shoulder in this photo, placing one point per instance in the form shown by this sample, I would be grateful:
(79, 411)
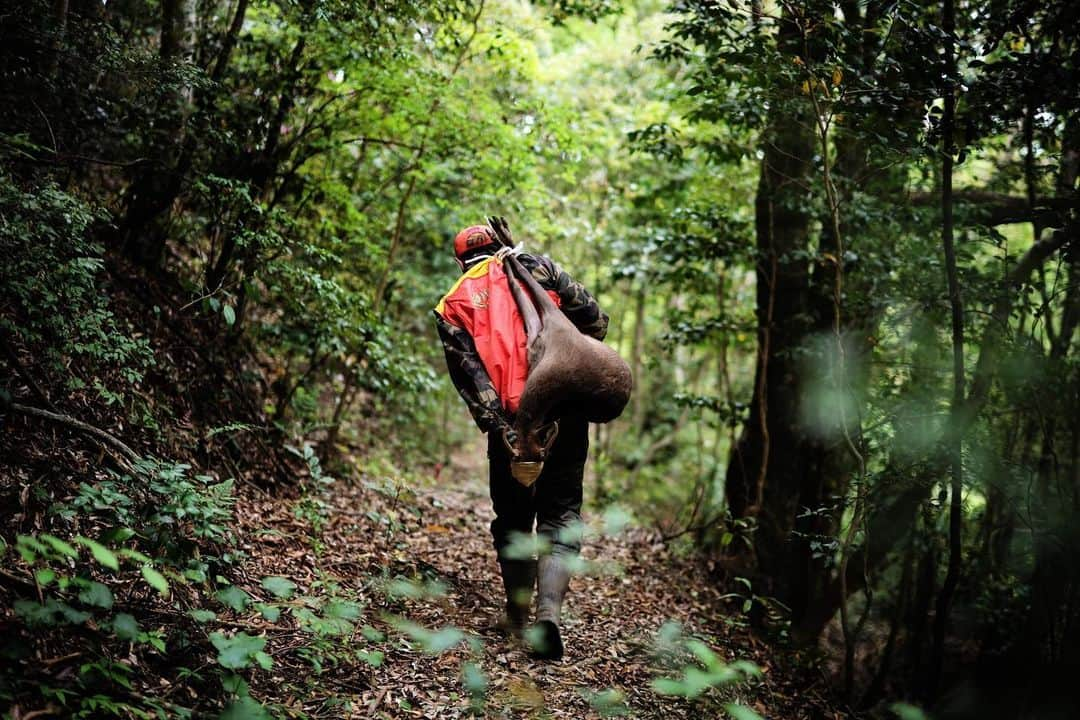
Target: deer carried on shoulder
(568, 372)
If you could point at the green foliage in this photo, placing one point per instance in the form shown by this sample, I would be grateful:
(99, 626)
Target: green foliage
(80, 578)
(607, 703)
(52, 292)
(245, 708)
(233, 598)
(705, 670)
(281, 588)
(906, 711)
(241, 651)
(434, 642)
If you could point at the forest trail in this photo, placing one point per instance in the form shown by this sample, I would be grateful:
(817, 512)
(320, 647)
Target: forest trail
(440, 533)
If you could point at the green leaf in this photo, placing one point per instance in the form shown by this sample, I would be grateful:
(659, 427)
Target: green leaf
(270, 613)
(474, 679)
(265, 661)
(904, 711)
(233, 597)
(701, 651)
(442, 640)
(229, 314)
(29, 548)
(343, 610)
(36, 614)
(374, 658)
(60, 546)
(697, 681)
(608, 702)
(44, 576)
(235, 685)
(118, 535)
(371, 634)
(135, 556)
(49, 613)
(238, 652)
(202, 616)
(155, 580)
(741, 712)
(73, 616)
(667, 686)
(125, 626)
(156, 640)
(245, 708)
(97, 595)
(102, 554)
(279, 587)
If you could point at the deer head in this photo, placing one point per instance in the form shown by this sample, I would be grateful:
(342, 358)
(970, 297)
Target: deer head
(528, 452)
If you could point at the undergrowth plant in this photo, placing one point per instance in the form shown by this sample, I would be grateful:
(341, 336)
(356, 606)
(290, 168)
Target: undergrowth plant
(152, 538)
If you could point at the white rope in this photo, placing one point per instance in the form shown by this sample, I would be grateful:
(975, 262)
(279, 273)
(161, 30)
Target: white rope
(499, 255)
(472, 261)
(504, 250)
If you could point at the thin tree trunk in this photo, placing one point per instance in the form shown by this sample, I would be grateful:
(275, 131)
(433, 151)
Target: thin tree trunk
(344, 401)
(926, 579)
(877, 686)
(384, 281)
(636, 352)
(60, 19)
(952, 574)
(395, 243)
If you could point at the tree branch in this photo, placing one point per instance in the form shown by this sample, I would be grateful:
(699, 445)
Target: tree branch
(993, 208)
(986, 365)
(105, 437)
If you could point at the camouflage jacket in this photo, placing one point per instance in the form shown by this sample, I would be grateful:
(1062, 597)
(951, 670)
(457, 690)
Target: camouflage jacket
(467, 371)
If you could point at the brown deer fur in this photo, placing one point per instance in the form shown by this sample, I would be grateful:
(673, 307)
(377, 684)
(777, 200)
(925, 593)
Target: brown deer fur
(568, 372)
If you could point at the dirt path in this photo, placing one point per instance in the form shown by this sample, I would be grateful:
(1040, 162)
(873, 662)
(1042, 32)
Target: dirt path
(377, 536)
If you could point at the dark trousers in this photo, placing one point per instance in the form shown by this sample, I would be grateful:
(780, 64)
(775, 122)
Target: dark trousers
(553, 503)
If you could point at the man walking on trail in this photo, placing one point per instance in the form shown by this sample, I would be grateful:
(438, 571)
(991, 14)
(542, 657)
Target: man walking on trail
(484, 338)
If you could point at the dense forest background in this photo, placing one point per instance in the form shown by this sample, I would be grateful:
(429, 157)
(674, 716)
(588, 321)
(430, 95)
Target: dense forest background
(836, 241)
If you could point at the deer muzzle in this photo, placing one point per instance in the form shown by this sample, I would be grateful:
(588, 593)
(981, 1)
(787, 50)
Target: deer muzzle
(526, 471)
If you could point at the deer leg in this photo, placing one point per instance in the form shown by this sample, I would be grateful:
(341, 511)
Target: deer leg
(543, 301)
(533, 324)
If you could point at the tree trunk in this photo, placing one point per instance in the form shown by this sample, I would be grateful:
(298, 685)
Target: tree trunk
(60, 19)
(766, 474)
(157, 186)
(952, 573)
(636, 357)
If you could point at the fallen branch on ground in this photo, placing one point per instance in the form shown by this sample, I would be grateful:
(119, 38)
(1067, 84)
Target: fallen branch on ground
(106, 437)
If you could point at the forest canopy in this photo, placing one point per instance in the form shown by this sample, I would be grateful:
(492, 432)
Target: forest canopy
(836, 242)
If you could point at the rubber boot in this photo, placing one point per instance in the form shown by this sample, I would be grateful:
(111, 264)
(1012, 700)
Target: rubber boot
(519, 579)
(545, 637)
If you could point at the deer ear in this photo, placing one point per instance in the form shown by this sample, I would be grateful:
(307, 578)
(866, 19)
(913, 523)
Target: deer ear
(553, 432)
(506, 442)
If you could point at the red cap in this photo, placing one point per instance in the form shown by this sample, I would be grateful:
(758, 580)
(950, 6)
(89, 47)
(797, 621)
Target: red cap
(472, 237)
